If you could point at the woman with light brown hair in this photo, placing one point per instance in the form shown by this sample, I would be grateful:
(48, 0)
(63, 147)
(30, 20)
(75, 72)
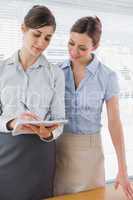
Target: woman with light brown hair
(30, 89)
(89, 83)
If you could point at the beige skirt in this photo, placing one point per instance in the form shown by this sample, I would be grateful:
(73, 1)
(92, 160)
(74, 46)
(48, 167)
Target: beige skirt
(79, 163)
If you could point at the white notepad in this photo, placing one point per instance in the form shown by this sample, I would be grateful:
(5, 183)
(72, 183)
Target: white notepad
(19, 123)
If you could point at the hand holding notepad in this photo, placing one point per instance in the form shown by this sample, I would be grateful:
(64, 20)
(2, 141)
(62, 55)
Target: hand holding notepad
(30, 119)
(18, 129)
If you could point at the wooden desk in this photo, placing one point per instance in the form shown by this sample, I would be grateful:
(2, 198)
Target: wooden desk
(107, 193)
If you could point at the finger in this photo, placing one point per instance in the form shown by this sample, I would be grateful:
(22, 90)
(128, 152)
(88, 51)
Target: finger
(53, 127)
(44, 132)
(26, 129)
(25, 116)
(129, 196)
(130, 191)
(116, 185)
(127, 193)
(33, 128)
(30, 115)
(34, 115)
(49, 129)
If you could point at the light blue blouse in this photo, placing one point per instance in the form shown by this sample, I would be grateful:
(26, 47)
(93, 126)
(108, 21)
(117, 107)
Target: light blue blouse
(84, 104)
(41, 87)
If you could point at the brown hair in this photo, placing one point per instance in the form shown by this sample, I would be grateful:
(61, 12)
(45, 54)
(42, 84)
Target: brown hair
(89, 25)
(39, 16)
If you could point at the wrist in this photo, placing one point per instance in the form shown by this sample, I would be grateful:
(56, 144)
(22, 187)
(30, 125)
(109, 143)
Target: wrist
(123, 170)
(50, 136)
(48, 139)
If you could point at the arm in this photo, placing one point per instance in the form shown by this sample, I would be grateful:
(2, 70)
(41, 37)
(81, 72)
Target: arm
(116, 132)
(4, 120)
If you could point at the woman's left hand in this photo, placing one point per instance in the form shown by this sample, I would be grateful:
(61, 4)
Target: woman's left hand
(41, 130)
(125, 184)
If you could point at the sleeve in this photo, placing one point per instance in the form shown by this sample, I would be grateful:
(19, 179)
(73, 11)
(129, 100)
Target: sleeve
(112, 88)
(58, 102)
(4, 120)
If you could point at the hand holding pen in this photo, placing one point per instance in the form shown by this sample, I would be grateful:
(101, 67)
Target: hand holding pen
(39, 129)
(28, 114)
(25, 115)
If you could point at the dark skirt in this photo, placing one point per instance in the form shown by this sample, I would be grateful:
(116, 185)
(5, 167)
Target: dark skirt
(27, 166)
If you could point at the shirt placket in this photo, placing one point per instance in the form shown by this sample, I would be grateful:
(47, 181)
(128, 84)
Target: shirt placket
(24, 96)
(26, 87)
(76, 111)
(78, 93)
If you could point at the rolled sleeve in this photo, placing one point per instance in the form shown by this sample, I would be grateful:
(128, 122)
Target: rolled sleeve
(112, 86)
(3, 123)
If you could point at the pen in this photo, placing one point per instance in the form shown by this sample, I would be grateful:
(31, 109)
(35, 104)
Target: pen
(46, 115)
(25, 106)
(34, 116)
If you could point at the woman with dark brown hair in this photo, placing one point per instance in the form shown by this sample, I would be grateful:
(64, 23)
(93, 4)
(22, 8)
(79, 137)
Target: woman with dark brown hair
(30, 89)
(89, 83)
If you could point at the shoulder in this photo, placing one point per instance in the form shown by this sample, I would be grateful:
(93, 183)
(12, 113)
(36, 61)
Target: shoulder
(109, 81)
(54, 70)
(105, 69)
(58, 72)
(105, 72)
(63, 65)
(3, 64)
